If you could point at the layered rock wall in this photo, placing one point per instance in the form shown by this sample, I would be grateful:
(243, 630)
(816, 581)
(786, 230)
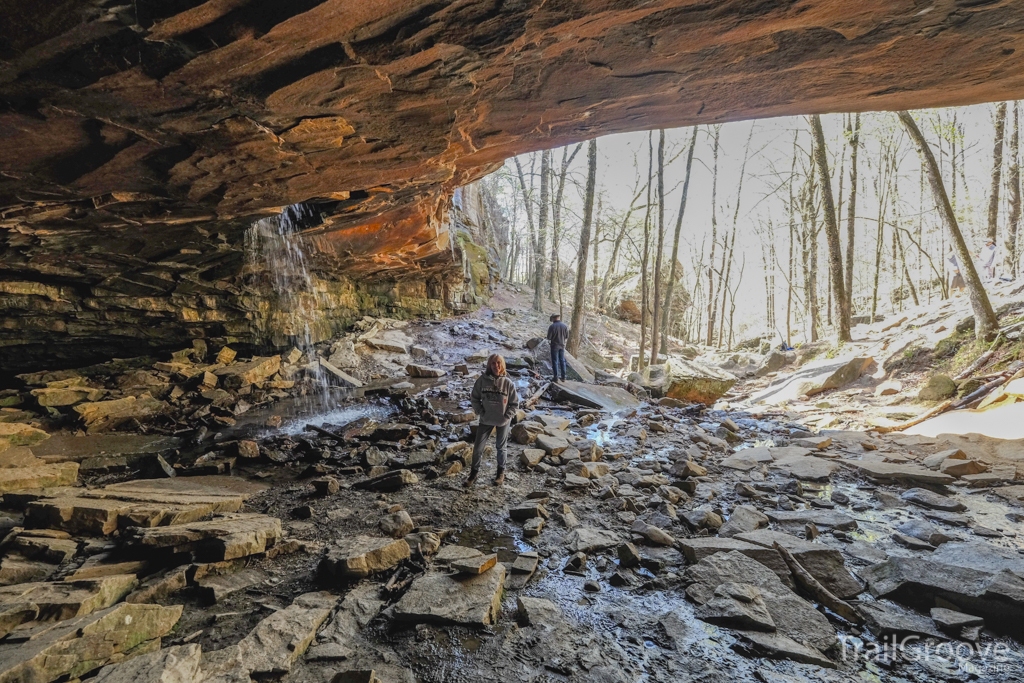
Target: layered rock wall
(138, 140)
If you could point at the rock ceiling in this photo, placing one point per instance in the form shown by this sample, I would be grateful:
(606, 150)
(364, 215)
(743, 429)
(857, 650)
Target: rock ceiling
(155, 130)
(166, 111)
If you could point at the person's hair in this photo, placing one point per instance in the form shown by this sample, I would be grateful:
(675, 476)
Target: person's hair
(555, 316)
(496, 365)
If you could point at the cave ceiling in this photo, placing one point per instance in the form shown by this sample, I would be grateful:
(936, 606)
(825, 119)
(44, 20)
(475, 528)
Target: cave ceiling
(135, 128)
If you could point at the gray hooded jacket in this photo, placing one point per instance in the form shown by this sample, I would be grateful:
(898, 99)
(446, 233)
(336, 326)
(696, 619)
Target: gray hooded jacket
(494, 399)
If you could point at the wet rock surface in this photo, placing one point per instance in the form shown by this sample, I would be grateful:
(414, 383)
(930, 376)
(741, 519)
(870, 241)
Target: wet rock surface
(330, 535)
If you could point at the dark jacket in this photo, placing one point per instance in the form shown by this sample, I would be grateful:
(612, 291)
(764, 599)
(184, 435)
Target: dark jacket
(495, 400)
(558, 334)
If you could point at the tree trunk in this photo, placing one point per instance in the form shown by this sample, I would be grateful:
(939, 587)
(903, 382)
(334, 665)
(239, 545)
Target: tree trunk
(645, 258)
(556, 215)
(542, 228)
(835, 254)
(997, 170)
(985, 322)
(579, 299)
(597, 241)
(851, 210)
(675, 246)
(714, 238)
(1013, 185)
(659, 254)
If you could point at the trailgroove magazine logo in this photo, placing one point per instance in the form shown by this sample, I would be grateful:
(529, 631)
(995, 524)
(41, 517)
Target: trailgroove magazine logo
(970, 657)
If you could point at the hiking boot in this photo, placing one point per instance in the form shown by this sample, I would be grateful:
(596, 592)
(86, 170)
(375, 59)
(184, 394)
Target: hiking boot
(500, 479)
(471, 479)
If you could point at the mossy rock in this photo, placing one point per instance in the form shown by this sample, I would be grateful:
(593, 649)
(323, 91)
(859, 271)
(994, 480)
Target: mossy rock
(938, 388)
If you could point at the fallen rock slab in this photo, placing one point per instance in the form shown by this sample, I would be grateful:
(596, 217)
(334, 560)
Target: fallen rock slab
(887, 471)
(821, 518)
(589, 540)
(78, 646)
(822, 562)
(461, 599)
(359, 556)
(598, 396)
(931, 500)
(222, 538)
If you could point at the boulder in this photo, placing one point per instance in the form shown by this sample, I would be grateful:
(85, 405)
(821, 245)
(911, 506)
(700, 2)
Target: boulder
(20, 434)
(237, 375)
(814, 378)
(575, 370)
(39, 476)
(822, 562)
(793, 616)
(359, 556)
(552, 445)
(744, 518)
(415, 370)
(938, 388)
(773, 362)
(462, 600)
(57, 397)
(956, 467)
(538, 612)
(103, 415)
(696, 383)
(589, 540)
(397, 525)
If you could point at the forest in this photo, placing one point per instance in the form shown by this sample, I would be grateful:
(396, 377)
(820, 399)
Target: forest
(791, 229)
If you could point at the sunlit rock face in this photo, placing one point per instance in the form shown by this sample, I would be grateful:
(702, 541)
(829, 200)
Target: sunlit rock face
(140, 140)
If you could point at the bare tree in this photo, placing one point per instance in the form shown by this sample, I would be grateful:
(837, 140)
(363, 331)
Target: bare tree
(542, 233)
(659, 254)
(579, 297)
(556, 214)
(665, 322)
(835, 255)
(714, 239)
(851, 209)
(645, 256)
(1013, 186)
(985, 321)
(997, 170)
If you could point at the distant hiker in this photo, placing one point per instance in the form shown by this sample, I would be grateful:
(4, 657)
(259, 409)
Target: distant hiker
(988, 259)
(558, 334)
(956, 280)
(495, 401)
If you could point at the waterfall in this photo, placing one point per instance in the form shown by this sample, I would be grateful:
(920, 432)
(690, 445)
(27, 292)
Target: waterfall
(275, 248)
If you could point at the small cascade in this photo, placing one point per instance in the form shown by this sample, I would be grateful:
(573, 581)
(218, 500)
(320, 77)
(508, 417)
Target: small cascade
(276, 247)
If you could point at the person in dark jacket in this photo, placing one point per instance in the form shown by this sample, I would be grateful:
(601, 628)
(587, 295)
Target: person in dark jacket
(495, 401)
(558, 334)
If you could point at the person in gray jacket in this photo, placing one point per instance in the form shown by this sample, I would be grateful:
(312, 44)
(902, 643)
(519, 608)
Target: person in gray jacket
(495, 401)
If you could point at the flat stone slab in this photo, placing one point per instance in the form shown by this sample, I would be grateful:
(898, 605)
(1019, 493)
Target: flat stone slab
(886, 471)
(223, 538)
(808, 468)
(822, 518)
(458, 600)
(71, 448)
(598, 396)
(931, 500)
(81, 645)
(822, 562)
(41, 476)
(274, 645)
(59, 600)
(588, 540)
(359, 556)
(179, 664)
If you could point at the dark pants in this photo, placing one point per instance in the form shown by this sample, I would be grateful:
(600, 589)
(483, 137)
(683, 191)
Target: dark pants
(558, 363)
(483, 432)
